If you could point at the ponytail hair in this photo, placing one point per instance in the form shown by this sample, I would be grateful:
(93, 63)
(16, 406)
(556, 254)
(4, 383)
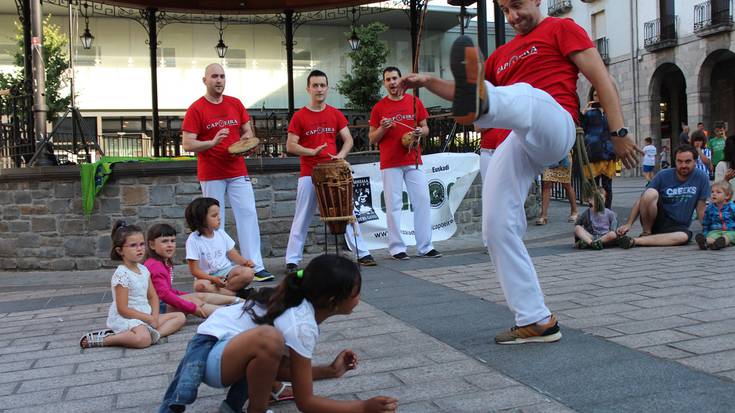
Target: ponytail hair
(121, 230)
(325, 282)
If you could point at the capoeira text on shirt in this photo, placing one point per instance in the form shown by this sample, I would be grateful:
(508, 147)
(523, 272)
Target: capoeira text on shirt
(222, 123)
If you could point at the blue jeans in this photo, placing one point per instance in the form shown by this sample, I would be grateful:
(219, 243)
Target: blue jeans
(185, 384)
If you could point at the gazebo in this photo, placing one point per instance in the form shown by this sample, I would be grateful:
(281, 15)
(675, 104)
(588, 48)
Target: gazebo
(287, 15)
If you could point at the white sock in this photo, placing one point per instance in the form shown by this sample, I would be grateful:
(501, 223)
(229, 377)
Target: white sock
(545, 320)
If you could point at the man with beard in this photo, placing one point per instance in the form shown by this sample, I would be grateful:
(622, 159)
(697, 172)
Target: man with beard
(391, 118)
(211, 124)
(529, 87)
(666, 206)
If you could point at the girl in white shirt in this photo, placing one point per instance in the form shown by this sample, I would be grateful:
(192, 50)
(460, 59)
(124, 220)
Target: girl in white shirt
(213, 260)
(272, 337)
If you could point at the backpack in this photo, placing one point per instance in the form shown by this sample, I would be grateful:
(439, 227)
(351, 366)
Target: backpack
(597, 136)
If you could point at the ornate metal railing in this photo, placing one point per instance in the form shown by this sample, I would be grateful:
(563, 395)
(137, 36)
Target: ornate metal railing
(270, 126)
(602, 47)
(559, 7)
(660, 33)
(712, 15)
(16, 130)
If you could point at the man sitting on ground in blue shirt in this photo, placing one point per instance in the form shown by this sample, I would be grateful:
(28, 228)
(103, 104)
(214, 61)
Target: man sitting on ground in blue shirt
(667, 204)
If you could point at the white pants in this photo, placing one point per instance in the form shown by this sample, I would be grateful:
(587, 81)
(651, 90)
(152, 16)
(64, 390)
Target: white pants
(418, 194)
(306, 204)
(542, 133)
(242, 201)
(485, 156)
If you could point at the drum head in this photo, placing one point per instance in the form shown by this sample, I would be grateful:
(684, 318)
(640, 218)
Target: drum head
(243, 146)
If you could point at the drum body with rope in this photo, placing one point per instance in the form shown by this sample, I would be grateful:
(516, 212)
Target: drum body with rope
(333, 184)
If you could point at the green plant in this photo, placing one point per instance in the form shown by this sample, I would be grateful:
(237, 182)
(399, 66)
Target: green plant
(55, 59)
(361, 87)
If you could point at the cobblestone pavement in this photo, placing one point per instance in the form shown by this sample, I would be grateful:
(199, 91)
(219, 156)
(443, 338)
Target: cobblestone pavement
(657, 312)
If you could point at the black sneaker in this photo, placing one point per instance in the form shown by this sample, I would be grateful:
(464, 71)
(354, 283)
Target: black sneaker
(291, 268)
(367, 261)
(263, 275)
(401, 256)
(470, 96)
(701, 241)
(431, 254)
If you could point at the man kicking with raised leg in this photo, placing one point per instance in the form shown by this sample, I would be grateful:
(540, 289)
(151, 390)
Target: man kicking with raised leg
(528, 87)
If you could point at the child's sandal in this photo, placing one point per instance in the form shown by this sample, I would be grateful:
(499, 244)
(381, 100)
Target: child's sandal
(719, 243)
(95, 338)
(278, 396)
(597, 245)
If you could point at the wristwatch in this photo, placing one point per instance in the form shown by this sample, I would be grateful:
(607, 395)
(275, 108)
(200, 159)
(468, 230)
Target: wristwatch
(622, 132)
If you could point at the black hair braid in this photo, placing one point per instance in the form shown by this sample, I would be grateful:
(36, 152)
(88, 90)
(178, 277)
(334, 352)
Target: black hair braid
(275, 300)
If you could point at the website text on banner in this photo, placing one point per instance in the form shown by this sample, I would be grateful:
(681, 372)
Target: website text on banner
(450, 176)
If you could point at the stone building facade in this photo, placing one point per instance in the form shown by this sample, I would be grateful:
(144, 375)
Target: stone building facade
(671, 60)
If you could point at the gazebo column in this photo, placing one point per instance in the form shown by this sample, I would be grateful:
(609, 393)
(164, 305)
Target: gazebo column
(482, 26)
(289, 59)
(499, 26)
(150, 16)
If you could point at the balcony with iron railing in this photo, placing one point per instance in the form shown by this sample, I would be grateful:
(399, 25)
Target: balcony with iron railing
(559, 7)
(660, 33)
(713, 16)
(602, 48)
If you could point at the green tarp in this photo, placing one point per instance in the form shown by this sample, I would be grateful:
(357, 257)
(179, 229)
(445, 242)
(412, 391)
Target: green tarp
(95, 175)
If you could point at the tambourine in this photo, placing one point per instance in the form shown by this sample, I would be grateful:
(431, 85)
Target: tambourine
(243, 146)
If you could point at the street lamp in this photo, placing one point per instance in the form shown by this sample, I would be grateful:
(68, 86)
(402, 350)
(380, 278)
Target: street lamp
(354, 41)
(221, 47)
(86, 37)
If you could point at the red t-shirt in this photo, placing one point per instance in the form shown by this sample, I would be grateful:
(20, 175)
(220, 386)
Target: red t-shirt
(315, 129)
(392, 152)
(541, 59)
(205, 119)
(492, 138)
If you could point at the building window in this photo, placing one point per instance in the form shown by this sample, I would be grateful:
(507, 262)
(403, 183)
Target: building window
(6, 54)
(236, 58)
(427, 63)
(86, 57)
(166, 56)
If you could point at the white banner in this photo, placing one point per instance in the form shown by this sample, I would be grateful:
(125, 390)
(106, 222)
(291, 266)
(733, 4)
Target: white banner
(450, 176)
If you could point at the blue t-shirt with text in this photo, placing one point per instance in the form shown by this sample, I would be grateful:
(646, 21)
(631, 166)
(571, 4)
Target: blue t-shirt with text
(679, 199)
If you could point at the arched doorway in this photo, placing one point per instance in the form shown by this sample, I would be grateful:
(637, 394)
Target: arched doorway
(717, 86)
(668, 104)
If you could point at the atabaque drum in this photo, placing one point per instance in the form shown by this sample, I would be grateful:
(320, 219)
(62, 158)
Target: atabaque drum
(333, 184)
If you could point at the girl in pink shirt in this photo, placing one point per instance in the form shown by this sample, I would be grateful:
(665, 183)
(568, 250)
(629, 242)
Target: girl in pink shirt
(161, 249)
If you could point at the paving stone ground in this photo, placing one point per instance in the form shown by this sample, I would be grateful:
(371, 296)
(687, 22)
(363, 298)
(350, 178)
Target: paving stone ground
(669, 309)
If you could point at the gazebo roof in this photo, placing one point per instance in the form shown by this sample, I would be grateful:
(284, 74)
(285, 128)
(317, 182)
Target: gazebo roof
(236, 6)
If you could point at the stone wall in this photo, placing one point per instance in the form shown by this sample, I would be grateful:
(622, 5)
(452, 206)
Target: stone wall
(43, 226)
